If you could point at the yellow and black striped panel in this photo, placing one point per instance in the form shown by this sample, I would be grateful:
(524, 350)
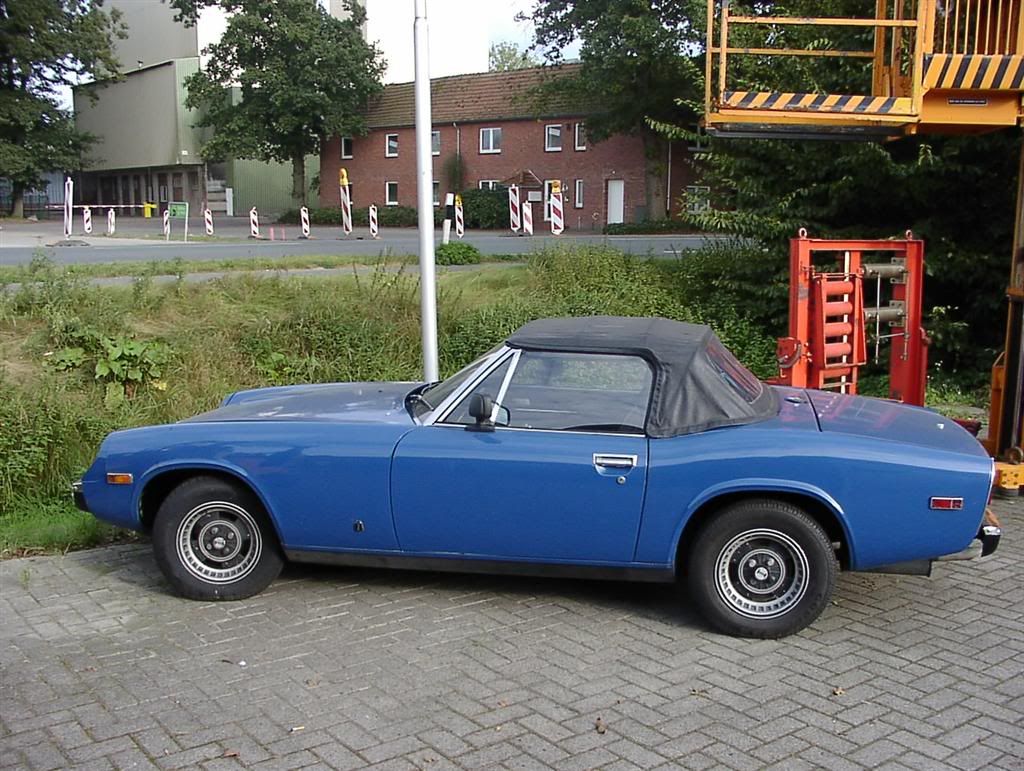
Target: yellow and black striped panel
(842, 103)
(975, 73)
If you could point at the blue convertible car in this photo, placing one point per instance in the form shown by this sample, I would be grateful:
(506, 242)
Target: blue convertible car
(605, 447)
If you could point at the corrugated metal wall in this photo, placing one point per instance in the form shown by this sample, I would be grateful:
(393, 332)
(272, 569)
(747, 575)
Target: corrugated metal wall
(267, 186)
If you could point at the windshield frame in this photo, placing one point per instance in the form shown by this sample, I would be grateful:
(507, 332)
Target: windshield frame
(468, 376)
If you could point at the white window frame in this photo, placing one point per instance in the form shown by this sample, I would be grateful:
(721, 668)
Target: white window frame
(491, 133)
(577, 194)
(436, 193)
(346, 156)
(433, 135)
(388, 200)
(548, 146)
(579, 128)
(387, 146)
(488, 184)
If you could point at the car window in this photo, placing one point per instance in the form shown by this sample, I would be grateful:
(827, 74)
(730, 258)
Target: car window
(570, 391)
(733, 373)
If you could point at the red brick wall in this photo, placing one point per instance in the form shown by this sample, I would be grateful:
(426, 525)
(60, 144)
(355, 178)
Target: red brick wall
(522, 148)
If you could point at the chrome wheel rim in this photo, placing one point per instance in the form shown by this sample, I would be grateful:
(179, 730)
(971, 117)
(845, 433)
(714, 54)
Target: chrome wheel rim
(761, 573)
(219, 542)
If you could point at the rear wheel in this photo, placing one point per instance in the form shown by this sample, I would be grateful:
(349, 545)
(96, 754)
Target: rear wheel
(761, 568)
(213, 541)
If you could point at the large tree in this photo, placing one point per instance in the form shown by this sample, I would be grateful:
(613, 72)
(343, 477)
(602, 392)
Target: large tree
(47, 45)
(284, 77)
(636, 63)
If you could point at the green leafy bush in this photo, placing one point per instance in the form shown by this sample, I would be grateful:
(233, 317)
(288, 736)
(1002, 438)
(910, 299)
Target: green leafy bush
(648, 227)
(387, 217)
(485, 209)
(457, 253)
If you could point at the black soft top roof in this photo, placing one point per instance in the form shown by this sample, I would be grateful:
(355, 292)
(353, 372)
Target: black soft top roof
(698, 384)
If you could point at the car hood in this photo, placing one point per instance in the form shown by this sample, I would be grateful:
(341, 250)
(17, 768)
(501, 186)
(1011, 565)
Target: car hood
(343, 402)
(883, 419)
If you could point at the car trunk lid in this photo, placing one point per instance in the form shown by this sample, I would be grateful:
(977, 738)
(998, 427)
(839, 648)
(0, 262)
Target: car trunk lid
(883, 419)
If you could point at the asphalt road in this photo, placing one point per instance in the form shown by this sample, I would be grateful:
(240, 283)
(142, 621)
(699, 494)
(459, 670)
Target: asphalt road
(137, 240)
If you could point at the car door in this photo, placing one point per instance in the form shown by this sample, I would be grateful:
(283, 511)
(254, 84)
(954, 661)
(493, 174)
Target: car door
(561, 476)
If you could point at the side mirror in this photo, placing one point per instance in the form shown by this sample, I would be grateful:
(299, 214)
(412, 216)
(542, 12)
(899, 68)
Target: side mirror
(481, 406)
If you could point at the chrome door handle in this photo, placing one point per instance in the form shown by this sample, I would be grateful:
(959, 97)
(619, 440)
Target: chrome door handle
(605, 460)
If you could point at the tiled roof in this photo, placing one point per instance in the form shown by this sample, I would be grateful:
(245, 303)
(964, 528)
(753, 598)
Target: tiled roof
(479, 97)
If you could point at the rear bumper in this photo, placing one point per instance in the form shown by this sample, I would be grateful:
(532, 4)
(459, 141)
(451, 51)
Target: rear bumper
(78, 496)
(984, 544)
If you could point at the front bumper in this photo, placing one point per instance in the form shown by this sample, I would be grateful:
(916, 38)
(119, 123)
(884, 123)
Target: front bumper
(79, 497)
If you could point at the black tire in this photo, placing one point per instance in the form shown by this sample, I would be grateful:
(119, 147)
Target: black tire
(213, 541)
(761, 568)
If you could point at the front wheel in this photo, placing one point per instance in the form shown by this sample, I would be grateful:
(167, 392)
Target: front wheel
(213, 541)
(761, 568)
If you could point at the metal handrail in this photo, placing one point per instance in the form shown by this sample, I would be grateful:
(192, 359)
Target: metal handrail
(925, 19)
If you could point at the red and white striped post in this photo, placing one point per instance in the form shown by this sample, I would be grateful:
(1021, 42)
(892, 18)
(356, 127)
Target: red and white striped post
(304, 222)
(527, 218)
(557, 213)
(167, 224)
(254, 223)
(449, 215)
(208, 221)
(373, 221)
(87, 220)
(111, 222)
(460, 223)
(513, 208)
(346, 201)
(69, 214)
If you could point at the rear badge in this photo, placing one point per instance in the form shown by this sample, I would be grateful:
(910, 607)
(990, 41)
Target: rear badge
(946, 504)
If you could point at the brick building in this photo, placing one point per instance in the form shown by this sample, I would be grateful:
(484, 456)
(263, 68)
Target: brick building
(504, 135)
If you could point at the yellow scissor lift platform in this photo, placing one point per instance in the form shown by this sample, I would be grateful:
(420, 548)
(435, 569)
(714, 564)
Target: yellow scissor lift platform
(935, 67)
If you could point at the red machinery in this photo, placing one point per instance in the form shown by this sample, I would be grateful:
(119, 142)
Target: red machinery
(829, 323)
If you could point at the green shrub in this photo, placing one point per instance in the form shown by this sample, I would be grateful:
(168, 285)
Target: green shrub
(457, 253)
(387, 217)
(485, 209)
(648, 227)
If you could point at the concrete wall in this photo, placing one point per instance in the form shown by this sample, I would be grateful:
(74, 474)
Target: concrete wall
(153, 35)
(267, 186)
(619, 157)
(136, 120)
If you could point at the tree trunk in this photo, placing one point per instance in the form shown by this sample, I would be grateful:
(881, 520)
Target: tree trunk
(654, 174)
(299, 179)
(17, 201)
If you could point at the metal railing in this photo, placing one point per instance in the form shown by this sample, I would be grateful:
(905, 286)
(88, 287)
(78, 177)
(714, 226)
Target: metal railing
(901, 37)
(979, 27)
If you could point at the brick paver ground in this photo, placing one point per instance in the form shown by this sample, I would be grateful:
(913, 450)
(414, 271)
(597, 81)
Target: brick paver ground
(102, 668)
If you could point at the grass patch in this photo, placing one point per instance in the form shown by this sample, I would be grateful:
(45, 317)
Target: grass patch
(246, 331)
(47, 526)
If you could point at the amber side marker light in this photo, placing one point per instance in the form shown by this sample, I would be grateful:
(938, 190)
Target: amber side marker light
(946, 504)
(119, 479)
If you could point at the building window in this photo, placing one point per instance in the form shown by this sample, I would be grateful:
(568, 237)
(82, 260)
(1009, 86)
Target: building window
(346, 148)
(391, 193)
(435, 142)
(488, 184)
(437, 193)
(577, 201)
(490, 140)
(581, 136)
(391, 146)
(553, 138)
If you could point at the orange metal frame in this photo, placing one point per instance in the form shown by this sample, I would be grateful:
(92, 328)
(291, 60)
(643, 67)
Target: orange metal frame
(828, 321)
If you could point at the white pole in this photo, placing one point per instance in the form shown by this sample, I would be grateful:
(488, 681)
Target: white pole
(425, 196)
(69, 194)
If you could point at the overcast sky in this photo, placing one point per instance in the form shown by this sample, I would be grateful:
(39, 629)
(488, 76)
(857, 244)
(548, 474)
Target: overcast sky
(461, 32)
